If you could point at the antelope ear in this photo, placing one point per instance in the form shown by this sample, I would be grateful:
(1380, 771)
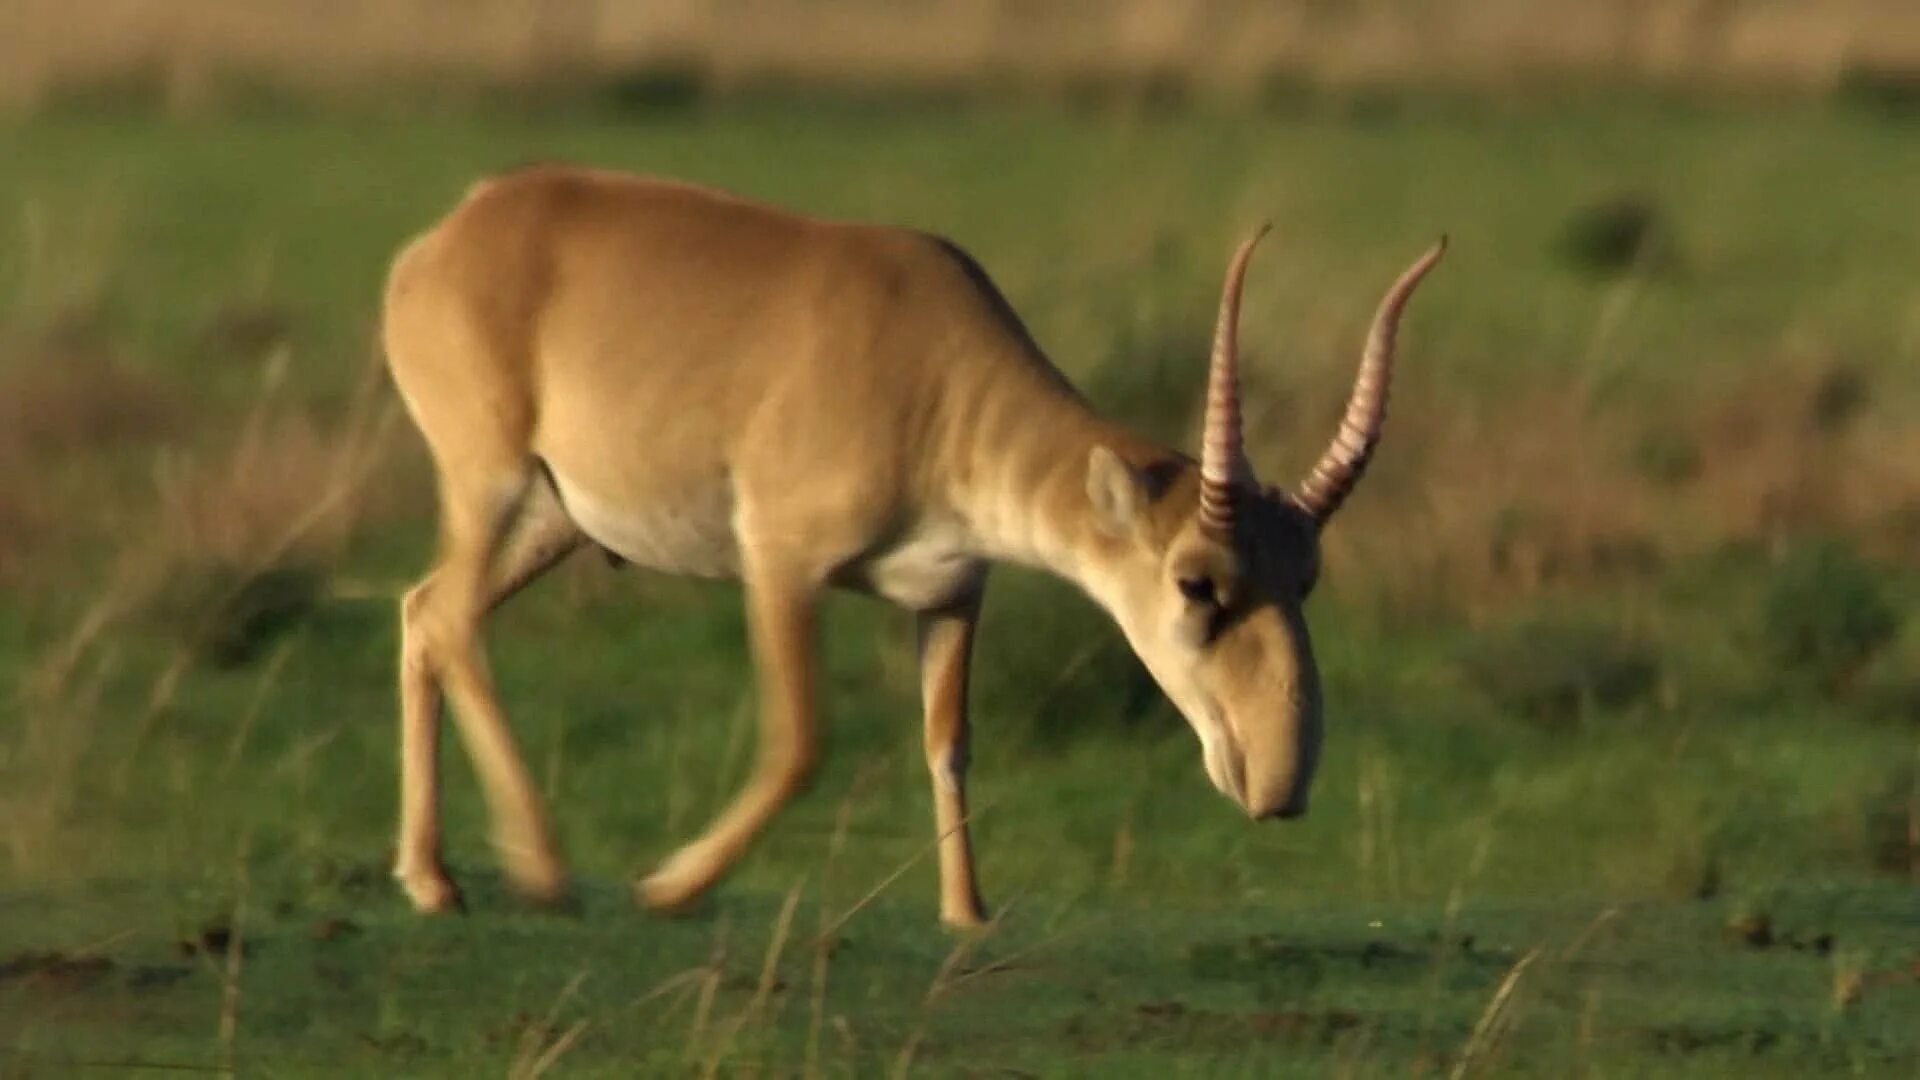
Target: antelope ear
(1117, 491)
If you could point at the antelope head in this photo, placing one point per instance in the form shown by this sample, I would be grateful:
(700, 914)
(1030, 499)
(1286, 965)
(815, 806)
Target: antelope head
(1210, 569)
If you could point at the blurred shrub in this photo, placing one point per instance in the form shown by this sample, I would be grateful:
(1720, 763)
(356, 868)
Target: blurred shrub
(1155, 91)
(246, 330)
(1667, 456)
(1695, 872)
(661, 87)
(1288, 93)
(245, 534)
(1898, 527)
(62, 396)
(1825, 615)
(229, 615)
(1555, 670)
(1617, 235)
(1838, 398)
(65, 400)
(1893, 699)
(1532, 546)
(1877, 821)
(1884, 91)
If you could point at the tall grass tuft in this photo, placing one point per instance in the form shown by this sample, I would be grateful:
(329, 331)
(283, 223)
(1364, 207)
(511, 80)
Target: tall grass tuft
(1826, 615)
(246, 537)
(1558, 670)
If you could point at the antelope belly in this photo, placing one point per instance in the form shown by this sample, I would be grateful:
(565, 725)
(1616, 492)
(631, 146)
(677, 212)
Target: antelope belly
(686, 531)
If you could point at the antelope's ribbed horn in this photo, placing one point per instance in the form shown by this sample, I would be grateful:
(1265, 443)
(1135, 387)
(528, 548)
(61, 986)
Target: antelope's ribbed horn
(1339, 468)
(1224, 471)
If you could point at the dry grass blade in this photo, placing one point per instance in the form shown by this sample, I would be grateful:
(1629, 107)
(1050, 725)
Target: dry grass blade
(159, 698)
(95, 948)
(1449, 921)
(763, 989)
(942, 979)
(709, 988)
(269, 675)
(1011, 961)
(822, 943)
(553, 1052)
(535, 1055)
(1487, 1028)
(229, 1028)
(679, 981)
(49, 679)
(1913, 824)
(1606, 916)
(898, 872)
(41, 781)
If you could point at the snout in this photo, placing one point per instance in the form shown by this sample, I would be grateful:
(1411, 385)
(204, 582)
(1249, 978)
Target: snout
(1264, 796)
(1276, 785)
(1286, 811)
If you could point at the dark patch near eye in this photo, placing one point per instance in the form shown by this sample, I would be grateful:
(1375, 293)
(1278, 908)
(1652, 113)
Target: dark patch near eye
(1158, 476)
(1199, 590)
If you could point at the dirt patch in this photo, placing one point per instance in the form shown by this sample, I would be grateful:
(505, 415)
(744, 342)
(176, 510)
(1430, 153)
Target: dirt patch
(214, 939)
(156, 976)
(1172, 1021)
(401, 1044)
(1681, 1039)
(55, 971)
(334, 928)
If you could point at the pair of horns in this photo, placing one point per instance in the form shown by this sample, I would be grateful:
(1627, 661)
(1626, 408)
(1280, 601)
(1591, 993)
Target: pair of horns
(1226, 475)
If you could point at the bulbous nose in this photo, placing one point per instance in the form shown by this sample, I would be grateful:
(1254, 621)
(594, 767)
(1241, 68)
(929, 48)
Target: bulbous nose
(1295, 806)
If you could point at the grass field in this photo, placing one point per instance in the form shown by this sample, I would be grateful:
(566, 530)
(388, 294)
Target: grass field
(1624, 699)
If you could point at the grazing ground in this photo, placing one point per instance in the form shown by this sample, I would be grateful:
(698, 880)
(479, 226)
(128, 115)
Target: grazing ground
(1624, 700)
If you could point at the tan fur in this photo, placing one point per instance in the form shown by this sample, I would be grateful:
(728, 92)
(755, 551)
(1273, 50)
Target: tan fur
(708, 386)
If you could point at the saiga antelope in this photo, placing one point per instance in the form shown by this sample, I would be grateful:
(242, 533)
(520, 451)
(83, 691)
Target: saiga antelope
(712, 387)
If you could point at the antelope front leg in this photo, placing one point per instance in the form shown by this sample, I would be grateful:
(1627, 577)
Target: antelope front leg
(780, 623)
(946, 649)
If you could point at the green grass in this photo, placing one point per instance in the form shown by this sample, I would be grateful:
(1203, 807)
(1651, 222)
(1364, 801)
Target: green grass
(1481, 802)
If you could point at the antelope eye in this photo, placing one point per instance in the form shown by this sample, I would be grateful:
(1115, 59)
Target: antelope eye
(1198, 590)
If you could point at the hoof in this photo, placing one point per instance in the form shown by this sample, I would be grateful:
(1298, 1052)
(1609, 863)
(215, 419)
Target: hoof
(551, 900)
(965, 920)
(664, 893)
(547, 889)
(430, 892)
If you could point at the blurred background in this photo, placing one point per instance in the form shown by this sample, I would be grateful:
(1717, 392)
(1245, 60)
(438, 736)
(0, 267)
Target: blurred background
(188, 53)
(1618, 640)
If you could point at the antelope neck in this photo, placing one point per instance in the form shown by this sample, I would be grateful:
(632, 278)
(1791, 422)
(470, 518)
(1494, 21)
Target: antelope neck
(1023, 489)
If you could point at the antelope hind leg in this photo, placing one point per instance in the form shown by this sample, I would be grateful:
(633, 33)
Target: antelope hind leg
(542, 535)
